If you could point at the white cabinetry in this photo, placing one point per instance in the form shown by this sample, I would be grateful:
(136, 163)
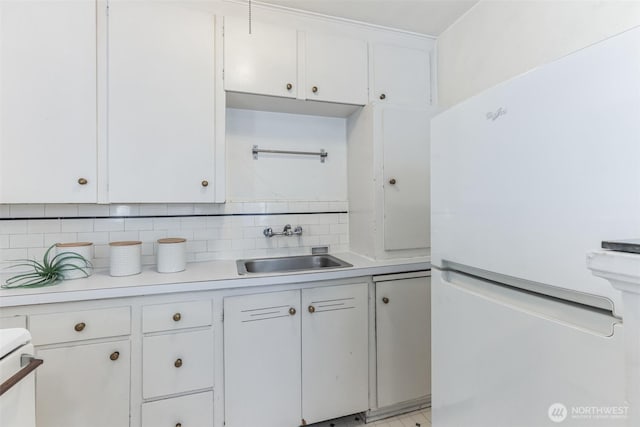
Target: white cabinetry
(401, 75)
(72, 384)
(403, 339)
(267, 62)
(48, 102)
(188, 411)
(263, 62)
(161, 133)
(336, 69)
(389, 181)
(268, 344)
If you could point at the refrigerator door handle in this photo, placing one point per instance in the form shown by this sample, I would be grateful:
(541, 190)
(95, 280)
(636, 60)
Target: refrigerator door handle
(586, 318)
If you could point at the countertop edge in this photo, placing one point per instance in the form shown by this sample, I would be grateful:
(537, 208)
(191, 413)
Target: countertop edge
(209, 285)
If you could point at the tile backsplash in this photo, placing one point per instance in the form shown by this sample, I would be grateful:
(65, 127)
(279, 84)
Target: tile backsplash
(213, 231)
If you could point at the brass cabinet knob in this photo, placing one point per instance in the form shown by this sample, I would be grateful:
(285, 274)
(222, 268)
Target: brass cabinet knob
(385, 300)
(82, 181)
(383, 96)
(79, 327)
(292, 311)
(115, 355)
(392, 181)
(314, 89)
(177, 317)
(289, 86)
(312, 309)
(177, 363)
(205, 183)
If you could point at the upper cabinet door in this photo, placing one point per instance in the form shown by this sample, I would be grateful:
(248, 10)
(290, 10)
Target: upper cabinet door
(336, 69)
(161, 138)
(405, 140)
(48, 102)
(263, 62)
(401, 76)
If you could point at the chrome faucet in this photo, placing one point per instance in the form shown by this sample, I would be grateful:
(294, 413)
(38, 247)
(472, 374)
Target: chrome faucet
(268, 232)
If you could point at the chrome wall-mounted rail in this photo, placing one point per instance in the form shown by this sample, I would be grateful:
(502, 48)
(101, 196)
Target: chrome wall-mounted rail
(255, 150)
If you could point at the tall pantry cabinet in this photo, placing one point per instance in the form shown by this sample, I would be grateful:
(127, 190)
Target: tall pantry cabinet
(388, 155)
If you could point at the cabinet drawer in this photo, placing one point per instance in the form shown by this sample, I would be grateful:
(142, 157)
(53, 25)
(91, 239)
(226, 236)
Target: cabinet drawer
(177, 363)
(190, 411)
(80, 325)
(167, 317)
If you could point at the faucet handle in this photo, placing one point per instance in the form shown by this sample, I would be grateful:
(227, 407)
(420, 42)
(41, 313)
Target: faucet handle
(268, 232)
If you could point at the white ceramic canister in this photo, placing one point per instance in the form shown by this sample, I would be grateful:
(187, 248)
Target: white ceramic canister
(85, 250)
(172, 255)
(125, 258)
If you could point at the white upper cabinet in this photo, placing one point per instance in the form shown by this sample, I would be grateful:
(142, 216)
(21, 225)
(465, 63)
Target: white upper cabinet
(270, 61)
(401, 75)
(263, 62)
(161, 136)
(336, 69)
(48, 102)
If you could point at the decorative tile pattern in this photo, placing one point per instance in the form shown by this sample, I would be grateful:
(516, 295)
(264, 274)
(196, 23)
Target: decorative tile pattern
(420, 418)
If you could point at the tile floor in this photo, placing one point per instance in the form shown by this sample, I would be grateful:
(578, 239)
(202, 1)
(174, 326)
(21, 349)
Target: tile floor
(420, 418)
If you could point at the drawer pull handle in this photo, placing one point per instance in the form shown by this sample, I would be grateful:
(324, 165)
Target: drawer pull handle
(82, 181)
(289, 86)
(312, 309)
(314, 89)
(292, 311)
(177, 317)
(383, 96)
(177, 363)
(80, 326)
(205, 183)
(178, 424)
(115, 355)
(385, 300)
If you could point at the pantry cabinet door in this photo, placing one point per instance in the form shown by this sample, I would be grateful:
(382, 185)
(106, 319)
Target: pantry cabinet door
(403, 332)
(335, 356)
(84, 385)
(405, 140)
(336, 69)
(161, 103)
(262, 360)
(48, 102)
(261, 62)
(401, 75)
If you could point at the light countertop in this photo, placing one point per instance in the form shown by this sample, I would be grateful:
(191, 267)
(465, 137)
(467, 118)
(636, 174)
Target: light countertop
(199, 276)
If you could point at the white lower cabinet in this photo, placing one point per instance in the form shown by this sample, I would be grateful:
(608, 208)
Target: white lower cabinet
(403, 332)
(84, 385)
(296, 357)
(195, 410)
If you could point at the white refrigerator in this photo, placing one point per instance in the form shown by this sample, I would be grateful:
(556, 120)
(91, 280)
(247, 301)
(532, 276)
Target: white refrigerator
(526, 178)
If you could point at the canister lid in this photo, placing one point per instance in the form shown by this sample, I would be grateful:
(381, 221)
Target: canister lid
(172, 240)
(73, 244)
(126, 243)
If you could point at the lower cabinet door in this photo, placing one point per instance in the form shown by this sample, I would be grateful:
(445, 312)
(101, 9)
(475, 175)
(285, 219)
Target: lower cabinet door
(335, 351)
(403, 330)
(177, 363)
(262, 360)
(195, 410)
(84, 385)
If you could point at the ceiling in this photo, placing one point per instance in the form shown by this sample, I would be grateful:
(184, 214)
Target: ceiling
(429, 17)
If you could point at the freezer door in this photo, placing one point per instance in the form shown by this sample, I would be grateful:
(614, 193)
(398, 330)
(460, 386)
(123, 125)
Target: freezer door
(502, 357)
(530, 175)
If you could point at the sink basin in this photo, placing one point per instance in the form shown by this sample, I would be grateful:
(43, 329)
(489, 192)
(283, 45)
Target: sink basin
(289, 264)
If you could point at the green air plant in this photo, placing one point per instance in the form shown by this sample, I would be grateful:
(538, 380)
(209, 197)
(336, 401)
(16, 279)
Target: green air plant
(49, 271)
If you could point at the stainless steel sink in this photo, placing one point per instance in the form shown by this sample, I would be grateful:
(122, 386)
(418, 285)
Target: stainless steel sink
(289, 264)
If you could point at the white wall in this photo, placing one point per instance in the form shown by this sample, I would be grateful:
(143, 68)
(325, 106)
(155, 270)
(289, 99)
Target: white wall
(497, 40)
(283, 176)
